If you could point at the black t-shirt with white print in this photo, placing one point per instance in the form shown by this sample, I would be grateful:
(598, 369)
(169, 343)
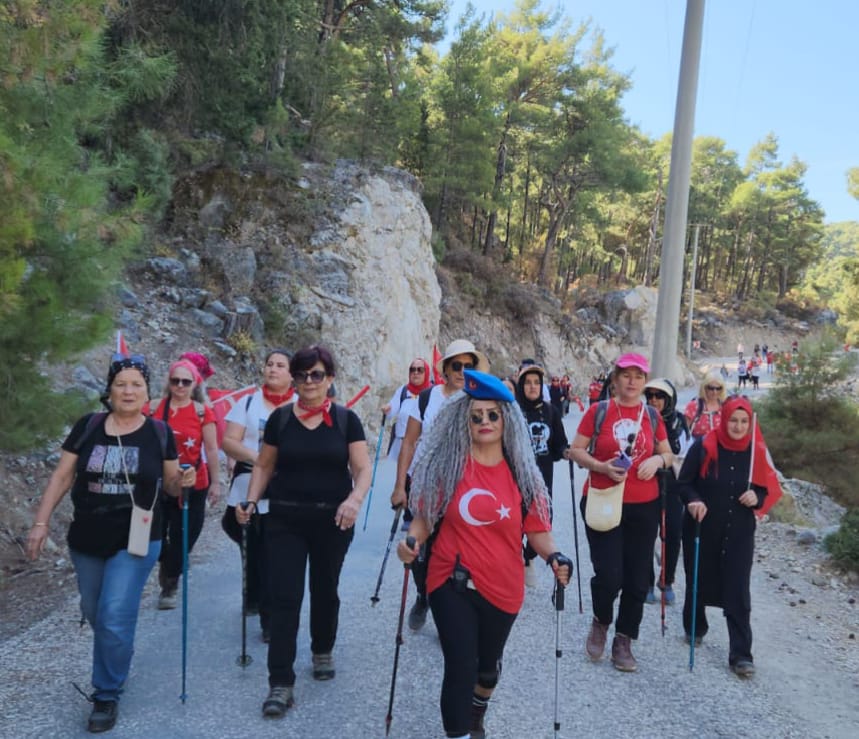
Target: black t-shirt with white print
(100, 493)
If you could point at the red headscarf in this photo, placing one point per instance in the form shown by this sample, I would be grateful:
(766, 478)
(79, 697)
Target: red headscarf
(719, 437)
(427, 382)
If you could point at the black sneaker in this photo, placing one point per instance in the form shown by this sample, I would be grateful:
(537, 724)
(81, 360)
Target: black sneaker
(418, 614)
(103, 716)
(279, 699)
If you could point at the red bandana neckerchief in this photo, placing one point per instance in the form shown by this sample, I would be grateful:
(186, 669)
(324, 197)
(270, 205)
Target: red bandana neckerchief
(323, 409)
(277, 399)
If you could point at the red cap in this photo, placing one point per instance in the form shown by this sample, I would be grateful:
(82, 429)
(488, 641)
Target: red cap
(632, 360)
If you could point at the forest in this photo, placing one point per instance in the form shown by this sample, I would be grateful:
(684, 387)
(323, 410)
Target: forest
(516, 130)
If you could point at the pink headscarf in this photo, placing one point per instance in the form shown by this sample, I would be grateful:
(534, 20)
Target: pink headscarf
(188, 365)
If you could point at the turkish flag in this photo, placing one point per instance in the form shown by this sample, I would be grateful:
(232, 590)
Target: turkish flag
(121, 346)
(437, 377)
(763, 472)
(222, 402)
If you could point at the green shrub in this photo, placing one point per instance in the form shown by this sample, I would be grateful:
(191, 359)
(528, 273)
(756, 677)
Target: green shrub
(811, 430)
(843, 545)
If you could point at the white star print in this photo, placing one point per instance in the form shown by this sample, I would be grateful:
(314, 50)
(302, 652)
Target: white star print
(189, 442)
(503, 512)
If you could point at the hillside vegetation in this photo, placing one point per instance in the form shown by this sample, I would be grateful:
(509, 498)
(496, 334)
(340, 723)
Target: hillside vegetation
(517, 132)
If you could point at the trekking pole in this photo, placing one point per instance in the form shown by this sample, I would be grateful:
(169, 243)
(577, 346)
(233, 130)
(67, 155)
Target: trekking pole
(663, 493)
(576, 535)
(375, 597)
(373, 478)
(186, 492)
(694, 594)
(410, 543)
(558, 598)
(244, 659)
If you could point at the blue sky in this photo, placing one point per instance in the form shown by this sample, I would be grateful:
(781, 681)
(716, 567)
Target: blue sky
(784, 66)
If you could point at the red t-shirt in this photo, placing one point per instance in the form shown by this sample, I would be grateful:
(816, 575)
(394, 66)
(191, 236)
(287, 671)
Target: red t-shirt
(619, 422)
(483, 524)
(188, 430)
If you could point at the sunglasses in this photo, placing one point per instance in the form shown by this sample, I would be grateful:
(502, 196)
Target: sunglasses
(629, 440)
(459, 366)
(659, 396)
(714, 388)
(116, 357)
(183, 381)
(419, 370)
(302, 378)
(478, 418)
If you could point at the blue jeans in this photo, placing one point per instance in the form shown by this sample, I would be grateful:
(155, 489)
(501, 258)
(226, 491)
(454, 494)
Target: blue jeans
(110, 600)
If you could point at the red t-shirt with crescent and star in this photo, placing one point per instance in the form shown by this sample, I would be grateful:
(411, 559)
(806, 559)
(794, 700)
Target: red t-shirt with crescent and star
(483, 524)
(187, 428)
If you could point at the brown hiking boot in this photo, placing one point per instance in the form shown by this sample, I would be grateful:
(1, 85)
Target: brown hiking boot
(621, 654)
(595, 645)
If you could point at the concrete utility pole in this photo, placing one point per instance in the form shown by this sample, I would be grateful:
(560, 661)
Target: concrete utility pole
(692, 272)
(664, 359)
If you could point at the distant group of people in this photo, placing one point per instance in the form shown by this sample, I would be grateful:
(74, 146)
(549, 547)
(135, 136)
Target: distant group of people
(475, 458)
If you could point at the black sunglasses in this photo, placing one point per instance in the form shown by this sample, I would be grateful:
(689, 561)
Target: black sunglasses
(477, 417)
(651, 396)
(420, 370)
(628, 450)
(302, 378)
(183, 381)
(459, 366)
(714, 387)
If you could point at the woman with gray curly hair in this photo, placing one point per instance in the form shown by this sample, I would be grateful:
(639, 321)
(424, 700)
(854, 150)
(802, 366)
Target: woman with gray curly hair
(476, 490)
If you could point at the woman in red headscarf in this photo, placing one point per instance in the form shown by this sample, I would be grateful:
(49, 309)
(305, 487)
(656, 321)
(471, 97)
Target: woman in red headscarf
(722, 482)
(398, 406)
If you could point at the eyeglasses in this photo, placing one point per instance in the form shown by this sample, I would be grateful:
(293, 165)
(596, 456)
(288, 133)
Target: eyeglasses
(459, 366)
(419, 370)
(183, 381)
(478, 418)
(714, 388)
(658, 396)
(302, 378)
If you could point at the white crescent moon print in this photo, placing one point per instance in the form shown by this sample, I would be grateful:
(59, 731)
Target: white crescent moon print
(464, 503)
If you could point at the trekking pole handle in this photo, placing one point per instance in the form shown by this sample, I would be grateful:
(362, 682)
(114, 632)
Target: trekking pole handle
(559, 596)
(410, 543)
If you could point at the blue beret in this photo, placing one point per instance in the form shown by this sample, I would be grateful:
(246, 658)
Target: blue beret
(483, 386)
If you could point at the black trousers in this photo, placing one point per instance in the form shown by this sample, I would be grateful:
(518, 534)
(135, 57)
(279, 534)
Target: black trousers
(622, 560)
(291, 542)
(472, 633)
(171, 547)
(673, 534)
(254, 559)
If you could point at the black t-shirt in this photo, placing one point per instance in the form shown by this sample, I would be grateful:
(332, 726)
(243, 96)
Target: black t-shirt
(312, 467)
(100, 493)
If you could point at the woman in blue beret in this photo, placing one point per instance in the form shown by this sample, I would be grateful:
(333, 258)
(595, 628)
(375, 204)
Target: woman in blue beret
(476, 490)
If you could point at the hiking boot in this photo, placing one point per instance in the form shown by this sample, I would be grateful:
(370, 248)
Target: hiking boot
(670, 597)
(621, 654)
(530, 574)
(279, 700)
(418, 614)
(651, 596)
(323, 666)
(167, 599)
(103, 716)
(595, 645)
(699, 638)
(743, 668)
